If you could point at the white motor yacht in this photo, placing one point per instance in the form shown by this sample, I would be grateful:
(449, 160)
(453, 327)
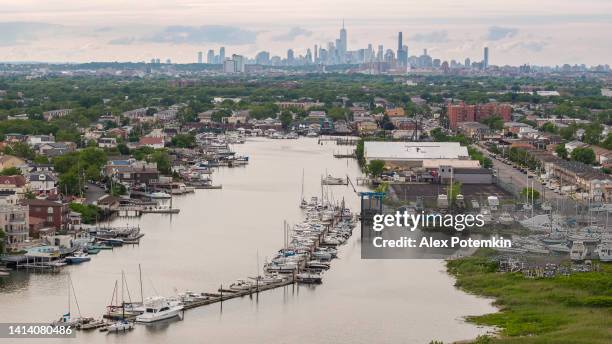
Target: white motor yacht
(160, 309)
(578, 251)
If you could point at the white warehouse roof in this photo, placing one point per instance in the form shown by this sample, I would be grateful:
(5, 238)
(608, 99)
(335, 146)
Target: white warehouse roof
(410, 151)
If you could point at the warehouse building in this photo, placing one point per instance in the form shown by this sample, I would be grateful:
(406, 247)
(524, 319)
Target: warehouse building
(414, 154)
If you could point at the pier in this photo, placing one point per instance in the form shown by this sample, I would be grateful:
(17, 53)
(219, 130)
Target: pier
(191, 300)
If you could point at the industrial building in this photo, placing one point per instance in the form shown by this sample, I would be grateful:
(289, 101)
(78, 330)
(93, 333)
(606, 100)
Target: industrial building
(415, 154)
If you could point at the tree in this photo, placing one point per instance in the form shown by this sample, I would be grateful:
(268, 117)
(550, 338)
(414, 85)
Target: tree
(286, 118)
(376, 167)
(495, 122)
(184, 141)
(568, 132)
(561, 151)
(89, 212)
(161, 158)
(123, 149)
(454, 190)
(584, 155)
(10, 171)
(592, 134)
(21, 150)
(530, 193)
(337, 113)
(549, 128)
(607, 143)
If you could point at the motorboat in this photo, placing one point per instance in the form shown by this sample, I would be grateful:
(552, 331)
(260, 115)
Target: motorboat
(309, 278)
(190, 296)
(559, 248)
(578, 251)
(120, 326)
(160, 309)
(78, 258)
(241, 285)
(318, 265)
(331, 180)
(604, 250)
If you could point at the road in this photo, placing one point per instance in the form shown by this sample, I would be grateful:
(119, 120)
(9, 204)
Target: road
(510, 175)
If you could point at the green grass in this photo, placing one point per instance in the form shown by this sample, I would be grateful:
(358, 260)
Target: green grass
(563, 309)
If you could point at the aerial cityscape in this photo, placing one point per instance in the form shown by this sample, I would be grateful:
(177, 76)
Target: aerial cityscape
(322, 172)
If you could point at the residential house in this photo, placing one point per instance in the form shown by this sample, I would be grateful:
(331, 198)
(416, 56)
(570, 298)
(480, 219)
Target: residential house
(570, 146)
(43, 183)
(166, 115)
(107, 142)
(108, 203)
(367, 127)
(515, 127)
(132, 172)
(17, 183)
(395, 112)
(117, 132)
(49, 115)
(136, 114)
(239, 117)
(153, 142)
(53, 149)
(206, 116)
(13, 221)
(14, 137)
(473, 129)
(35, 140)
(50, 213)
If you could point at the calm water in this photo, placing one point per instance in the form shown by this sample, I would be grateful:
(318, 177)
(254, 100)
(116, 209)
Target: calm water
(217, 238)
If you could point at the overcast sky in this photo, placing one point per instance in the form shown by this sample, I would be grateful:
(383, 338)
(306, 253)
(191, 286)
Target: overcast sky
(518, 31)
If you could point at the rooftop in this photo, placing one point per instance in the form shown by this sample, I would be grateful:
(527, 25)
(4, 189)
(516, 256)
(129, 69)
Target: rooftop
(414, 150)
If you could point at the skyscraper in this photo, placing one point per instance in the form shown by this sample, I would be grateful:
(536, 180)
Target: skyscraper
(402, 55)
(485, 61)
(199, 57)
(400, 42)
(342, 43)
(210, 57)
(262, 58)
(221, 55)
(290, 56)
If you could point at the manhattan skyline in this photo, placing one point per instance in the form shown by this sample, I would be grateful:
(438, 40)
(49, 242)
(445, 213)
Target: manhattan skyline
(546, 33)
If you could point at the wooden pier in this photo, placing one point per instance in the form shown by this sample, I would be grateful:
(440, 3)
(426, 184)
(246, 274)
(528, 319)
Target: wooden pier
(345, 156)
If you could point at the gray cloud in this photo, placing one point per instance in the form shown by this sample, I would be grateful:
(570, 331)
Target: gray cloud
(431, 37)
(16, 33)
(496, 33)
(535, 46)
(293, 34)
(123, 41)
(203, 34)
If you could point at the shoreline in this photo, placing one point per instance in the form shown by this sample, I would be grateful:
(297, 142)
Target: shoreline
(577, 307)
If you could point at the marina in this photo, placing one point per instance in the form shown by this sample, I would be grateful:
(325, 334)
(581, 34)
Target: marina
(207, 246)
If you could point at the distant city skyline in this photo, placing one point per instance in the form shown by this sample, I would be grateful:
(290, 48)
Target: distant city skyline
(522, 32)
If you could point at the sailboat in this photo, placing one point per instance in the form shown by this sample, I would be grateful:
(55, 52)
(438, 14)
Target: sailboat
(68, 319)
(303, 203)
(121, 325)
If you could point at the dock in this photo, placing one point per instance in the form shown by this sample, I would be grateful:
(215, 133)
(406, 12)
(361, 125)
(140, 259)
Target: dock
(284, 276)
(345, 156)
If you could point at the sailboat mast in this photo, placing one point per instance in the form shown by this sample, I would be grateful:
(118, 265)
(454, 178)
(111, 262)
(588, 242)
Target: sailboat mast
(140, 277)
(68, 295)
(302, 185)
